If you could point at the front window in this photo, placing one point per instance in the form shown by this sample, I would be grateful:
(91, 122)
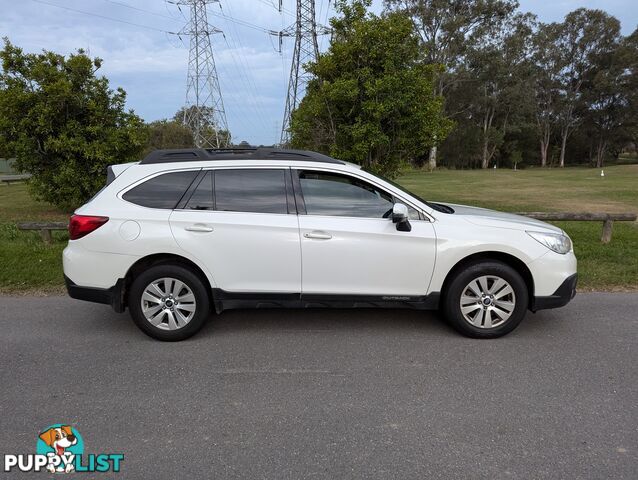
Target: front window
(333, 194)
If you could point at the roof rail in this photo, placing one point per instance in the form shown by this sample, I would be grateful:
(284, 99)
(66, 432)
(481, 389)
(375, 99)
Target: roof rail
(258, 153)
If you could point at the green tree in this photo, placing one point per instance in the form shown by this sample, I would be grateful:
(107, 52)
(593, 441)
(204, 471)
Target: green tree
(371, 99)
(173, 133)
(448, 30)
(630, 46)
(608, 92)
(498, 73)
(205, 117)
(168, 134)
(547, 66)
(63, 124)
(584, 36)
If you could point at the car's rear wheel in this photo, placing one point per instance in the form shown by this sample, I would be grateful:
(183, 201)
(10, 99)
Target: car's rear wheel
(487, 299)
(169, 302)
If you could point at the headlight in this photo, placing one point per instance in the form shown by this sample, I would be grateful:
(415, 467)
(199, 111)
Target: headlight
(557, 242)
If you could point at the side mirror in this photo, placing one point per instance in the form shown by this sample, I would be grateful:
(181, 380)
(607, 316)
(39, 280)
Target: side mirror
(401, 218)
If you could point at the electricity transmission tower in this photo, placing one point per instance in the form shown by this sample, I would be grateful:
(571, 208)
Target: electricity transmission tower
(204, 110)
(306, 50)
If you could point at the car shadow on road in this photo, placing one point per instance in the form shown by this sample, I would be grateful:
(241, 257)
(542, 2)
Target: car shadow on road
(364, 319)
(326, 320)
(367, 320)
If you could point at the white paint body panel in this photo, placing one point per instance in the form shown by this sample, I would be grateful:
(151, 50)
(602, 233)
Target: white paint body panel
(248, 252)
(550, 270)
(366, 256)
(458, 238)
(256, 252)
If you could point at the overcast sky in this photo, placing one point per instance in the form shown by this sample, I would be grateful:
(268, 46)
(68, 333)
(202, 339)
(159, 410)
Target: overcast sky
(151, 64)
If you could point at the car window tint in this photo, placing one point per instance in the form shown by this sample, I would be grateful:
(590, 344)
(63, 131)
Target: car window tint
(202, 198)
(163, 191)
(251, 190)
(340, 195)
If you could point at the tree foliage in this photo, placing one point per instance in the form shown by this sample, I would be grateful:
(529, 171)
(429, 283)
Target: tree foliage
(585, 37)
(371, 100)
(174, 133)
(520, 90)
(63, 124)
(496, 81)
(164, 134)
(449, 32)
(205, 118)
(609, 91)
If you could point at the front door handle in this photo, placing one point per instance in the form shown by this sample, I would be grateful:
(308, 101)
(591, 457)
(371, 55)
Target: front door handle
(199, 228)
(318, 235)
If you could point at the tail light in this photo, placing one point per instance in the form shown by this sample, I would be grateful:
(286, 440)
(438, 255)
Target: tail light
(81, 225)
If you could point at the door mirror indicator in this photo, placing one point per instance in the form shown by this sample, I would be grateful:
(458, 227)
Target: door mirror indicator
(400, 217)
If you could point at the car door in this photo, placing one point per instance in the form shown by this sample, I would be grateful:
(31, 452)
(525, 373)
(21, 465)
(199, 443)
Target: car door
(349, 245)
(242, 224)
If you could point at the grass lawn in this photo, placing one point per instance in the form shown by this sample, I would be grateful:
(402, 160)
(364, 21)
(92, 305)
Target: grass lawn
(28, 266)
(601, 267)
(26, 263)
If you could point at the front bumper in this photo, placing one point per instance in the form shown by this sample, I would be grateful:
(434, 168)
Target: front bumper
(113, 296)
(563, 294)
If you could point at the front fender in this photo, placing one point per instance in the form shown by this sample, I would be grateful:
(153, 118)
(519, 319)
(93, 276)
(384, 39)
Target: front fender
(456, 242)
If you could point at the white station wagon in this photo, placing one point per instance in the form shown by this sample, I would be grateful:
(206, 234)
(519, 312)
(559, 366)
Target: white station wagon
(185, 232)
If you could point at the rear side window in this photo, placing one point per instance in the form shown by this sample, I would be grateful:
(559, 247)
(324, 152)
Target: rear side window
(250, 190)
(163, 191)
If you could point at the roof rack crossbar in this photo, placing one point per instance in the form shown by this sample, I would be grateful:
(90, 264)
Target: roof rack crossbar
(255, 153)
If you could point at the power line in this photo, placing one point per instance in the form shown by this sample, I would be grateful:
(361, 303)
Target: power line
(325, 23)
(242, 22)
(139, 9)
(104, 17)
(169, 12)
(242, 105)
(306, 50)
(236, 53)
(166, 2)
(84, 12)
(280, 8)
(249, 82)
(229, 18)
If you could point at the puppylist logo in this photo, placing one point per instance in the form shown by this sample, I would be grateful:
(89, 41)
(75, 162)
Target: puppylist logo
(60, 449)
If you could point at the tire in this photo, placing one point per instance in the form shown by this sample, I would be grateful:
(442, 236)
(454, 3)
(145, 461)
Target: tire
(478, 302)
(169, 302)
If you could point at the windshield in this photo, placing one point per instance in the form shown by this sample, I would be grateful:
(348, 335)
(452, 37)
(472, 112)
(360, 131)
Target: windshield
(395, 184)
(436, 206)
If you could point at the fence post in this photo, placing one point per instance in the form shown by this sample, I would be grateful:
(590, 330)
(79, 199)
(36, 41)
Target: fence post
(46, 236)
(608, 225)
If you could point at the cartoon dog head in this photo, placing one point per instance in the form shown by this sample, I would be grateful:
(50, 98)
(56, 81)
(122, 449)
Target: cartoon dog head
(59, 438)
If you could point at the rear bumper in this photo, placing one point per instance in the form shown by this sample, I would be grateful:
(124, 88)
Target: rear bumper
(563, 294)
(113, 296)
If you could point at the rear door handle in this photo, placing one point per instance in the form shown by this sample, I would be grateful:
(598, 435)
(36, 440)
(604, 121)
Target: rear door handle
(199, 228)
(318, 235)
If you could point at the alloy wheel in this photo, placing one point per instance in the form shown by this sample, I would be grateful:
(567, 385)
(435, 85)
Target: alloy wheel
(487, 301)
(168, 303)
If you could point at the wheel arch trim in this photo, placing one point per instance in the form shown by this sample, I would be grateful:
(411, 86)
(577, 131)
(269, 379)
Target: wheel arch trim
(164, 259)
(506, 258)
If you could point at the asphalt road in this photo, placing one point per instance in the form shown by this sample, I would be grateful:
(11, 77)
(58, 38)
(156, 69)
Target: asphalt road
(286, 394)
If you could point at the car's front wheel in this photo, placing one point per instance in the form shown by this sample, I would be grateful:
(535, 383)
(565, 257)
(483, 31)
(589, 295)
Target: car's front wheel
(169, 302)
(487, 299)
